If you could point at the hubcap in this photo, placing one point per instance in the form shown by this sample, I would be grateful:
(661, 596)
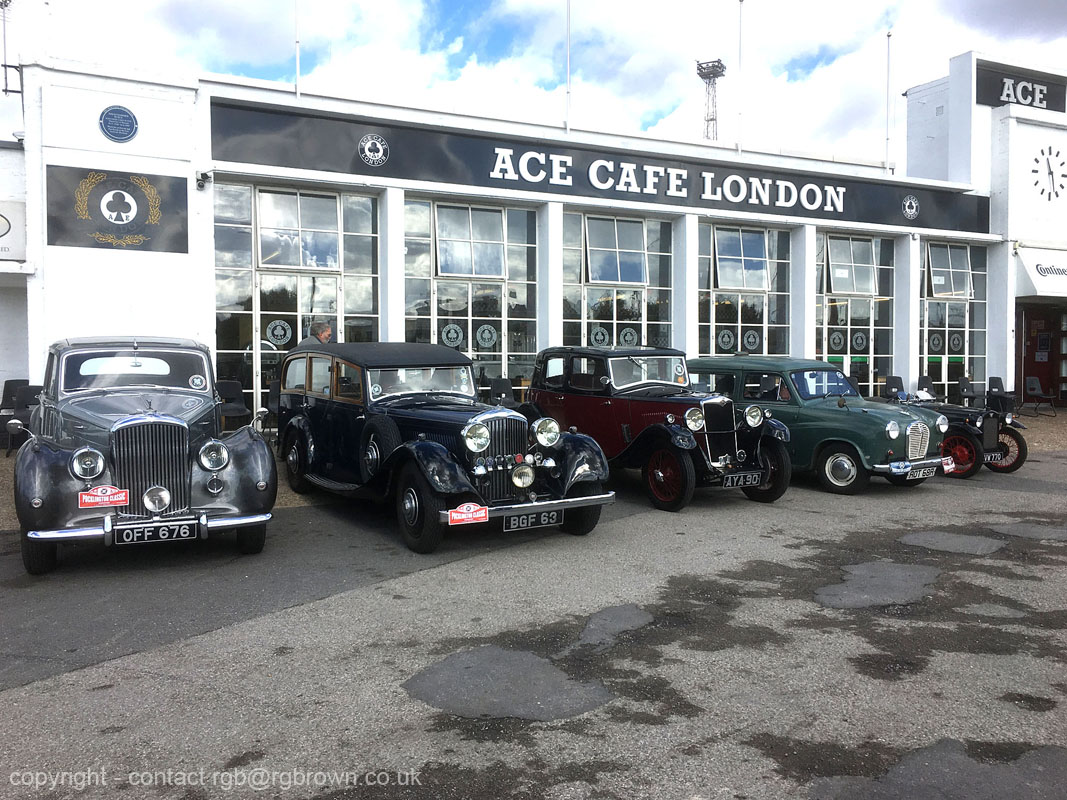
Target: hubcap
(841, 470)
(410, 505)
(292, 458)
(370, 456)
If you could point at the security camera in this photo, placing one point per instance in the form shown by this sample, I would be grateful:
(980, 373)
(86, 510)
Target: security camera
(202, 179)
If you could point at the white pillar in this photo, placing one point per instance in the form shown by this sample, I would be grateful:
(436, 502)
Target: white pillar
(549, 275)
(803, 271)
(907, 277)
(1001, 267)
(391, 267)
(685, 272)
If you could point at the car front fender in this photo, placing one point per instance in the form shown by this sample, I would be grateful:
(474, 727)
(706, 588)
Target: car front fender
(636, 452)
(444, 473)
(779, 430)
(579, 459)
(41, 473)
(251, 465)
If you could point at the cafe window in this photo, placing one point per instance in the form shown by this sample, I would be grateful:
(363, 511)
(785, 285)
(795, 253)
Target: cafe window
(616, 281)
(743, 290)
(470, 284)
(953, 317)
(854, 307)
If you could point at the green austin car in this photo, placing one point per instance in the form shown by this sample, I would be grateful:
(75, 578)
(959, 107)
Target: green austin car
(834, 431)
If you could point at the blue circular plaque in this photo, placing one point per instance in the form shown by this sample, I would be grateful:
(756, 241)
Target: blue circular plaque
(118, 123)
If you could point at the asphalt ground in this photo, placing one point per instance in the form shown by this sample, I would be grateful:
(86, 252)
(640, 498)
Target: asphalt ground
(904, 643)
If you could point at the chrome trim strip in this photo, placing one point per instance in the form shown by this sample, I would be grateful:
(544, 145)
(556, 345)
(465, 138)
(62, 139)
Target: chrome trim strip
(904, 467)
(77, 534)
(495, 512)
(493, 413)
(140, 419)
(238, 522)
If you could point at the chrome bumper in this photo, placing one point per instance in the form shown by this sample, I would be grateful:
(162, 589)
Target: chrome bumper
(496, 512)
(904, 467)
(107, 526)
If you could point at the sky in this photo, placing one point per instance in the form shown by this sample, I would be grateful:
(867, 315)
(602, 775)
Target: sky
(802, 76)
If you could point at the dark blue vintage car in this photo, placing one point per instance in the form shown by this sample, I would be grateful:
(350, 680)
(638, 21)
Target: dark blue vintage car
(127, 447)
(393, 420)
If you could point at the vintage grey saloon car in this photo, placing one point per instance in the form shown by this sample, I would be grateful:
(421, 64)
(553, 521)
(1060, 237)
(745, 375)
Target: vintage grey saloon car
(387, 420)
(126, 447)
(844, 438)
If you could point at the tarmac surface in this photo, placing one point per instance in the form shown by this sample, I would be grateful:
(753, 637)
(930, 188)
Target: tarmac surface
(906, 643)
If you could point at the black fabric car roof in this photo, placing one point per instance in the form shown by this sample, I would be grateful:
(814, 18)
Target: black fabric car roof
(615, 352)
(375, 355)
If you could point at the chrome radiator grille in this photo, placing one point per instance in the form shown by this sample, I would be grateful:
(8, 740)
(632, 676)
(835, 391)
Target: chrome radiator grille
(507, 437)
(150, 454)
(918, 440)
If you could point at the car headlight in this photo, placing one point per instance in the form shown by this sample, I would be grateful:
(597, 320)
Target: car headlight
(694, 419)
(156, 499)
(978, 422)
(86, 463)
(546, 431)
(754, 416)
(523, 476)
(892, 429)
(476, 437)
(1008, 418)
(942, 423)
(214, 455)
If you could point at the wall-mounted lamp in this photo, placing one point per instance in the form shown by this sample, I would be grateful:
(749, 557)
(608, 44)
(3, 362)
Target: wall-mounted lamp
(915, 237)
(203, 179)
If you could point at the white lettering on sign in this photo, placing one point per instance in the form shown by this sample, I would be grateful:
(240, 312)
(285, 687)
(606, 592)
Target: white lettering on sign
(504, 168)
(535, 166)
(757, 191)
(1024, 93)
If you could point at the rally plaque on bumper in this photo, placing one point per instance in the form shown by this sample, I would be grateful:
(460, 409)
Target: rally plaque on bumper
(156, 532)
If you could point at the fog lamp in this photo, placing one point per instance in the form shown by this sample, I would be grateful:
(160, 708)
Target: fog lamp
(156, 499)
(523, 476)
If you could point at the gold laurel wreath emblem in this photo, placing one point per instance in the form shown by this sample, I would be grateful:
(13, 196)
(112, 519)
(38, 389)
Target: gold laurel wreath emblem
(108, 238)
(81, 194)
(153, 198)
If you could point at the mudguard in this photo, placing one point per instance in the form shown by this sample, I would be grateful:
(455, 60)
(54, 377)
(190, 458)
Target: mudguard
(251, 462)
(579, 459)
(298, 423)
(1016, 424)
(440, 468)
(779, 430)
(678, 435)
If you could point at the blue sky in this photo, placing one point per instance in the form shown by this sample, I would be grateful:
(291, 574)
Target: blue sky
(793, 82)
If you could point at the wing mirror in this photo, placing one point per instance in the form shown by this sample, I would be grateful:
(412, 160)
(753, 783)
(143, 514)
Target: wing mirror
(605, 380)
(261, 414)
(841, 402)
(15, 427)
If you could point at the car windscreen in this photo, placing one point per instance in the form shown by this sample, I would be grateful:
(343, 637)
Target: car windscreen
(116, 369)
(413, 380)
(813, 383)
(634, 370)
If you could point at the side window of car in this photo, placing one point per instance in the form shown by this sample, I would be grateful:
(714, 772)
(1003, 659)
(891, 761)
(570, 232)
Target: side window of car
(349, 383)
(554, 372)
(586, 373)
(295, 375)
(713, 382)
(765, 386)
(320, 376)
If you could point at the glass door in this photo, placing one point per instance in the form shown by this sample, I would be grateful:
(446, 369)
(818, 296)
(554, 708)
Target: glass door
(289, 303)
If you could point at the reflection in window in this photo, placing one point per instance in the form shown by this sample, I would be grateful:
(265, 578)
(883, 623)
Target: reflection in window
(953, 317)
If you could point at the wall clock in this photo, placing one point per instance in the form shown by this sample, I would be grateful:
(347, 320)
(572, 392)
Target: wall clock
(1049, 175)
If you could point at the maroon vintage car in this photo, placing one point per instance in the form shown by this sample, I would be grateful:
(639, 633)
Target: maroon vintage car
(638, 404)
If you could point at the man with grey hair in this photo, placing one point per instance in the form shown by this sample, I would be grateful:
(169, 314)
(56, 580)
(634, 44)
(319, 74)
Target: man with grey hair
(319, 332)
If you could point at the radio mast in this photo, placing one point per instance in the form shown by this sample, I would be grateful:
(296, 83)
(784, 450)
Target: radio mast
(710, 72)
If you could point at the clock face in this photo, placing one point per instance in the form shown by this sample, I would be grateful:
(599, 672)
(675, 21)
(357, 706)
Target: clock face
(1050, 176)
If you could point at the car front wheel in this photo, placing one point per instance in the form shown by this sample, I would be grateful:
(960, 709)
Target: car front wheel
(841, 471)
(296, 464)
(580, 521)
(775, 460)
(38, 557)
(250, 540)
(966, 451)
(1013, 446)
(669, 478)
(418, 510)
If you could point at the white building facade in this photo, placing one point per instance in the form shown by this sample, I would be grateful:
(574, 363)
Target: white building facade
(237, 213)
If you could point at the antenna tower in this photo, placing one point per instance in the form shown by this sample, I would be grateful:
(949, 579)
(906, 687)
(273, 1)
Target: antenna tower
(710, 72)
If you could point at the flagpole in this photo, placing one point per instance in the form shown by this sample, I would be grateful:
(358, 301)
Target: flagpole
(740, 76)
(567, 114)
(296, 31)
(888, 40)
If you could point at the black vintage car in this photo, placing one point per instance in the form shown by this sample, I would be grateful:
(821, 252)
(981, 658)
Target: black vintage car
(637, 402)
(126, 447)
(381, 420)
(977, 436)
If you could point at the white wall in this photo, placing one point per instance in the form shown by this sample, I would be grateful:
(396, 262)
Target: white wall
(928, 121)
